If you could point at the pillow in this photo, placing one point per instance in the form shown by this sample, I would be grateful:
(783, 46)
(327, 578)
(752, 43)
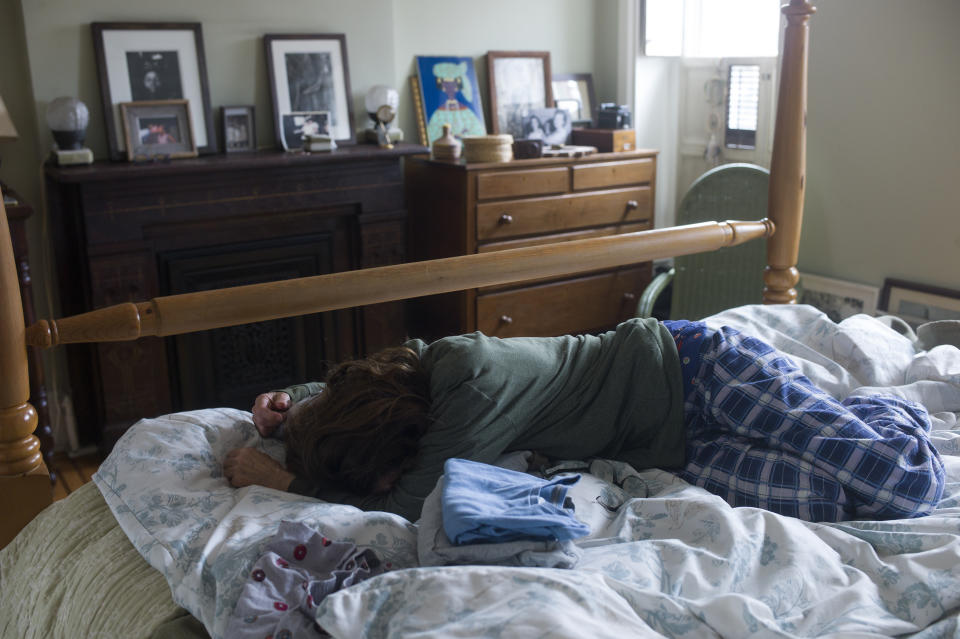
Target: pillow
(164, 483)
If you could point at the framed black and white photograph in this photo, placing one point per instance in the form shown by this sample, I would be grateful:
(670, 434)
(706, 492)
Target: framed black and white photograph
(552, 125)
(297, 126)
(157, 129)
(918, 303)
(839, 299)
(239, 129)
(145, 61)
(519, 83)
(573, 92)
(309, 74)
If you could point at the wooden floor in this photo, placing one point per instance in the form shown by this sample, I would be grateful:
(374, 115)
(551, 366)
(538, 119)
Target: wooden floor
(73, 473)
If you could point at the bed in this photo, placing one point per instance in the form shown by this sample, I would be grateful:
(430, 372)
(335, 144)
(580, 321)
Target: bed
(160, 533)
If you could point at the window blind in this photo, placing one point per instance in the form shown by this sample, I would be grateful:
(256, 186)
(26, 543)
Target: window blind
(743, 102)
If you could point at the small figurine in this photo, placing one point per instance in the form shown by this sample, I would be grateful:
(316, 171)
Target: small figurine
(447, 147)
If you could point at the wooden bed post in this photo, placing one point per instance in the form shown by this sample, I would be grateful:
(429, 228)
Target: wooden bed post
(24, 481)
(788, 165)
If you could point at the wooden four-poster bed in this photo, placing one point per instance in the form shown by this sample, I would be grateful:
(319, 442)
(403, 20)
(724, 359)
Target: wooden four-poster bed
(681, 564)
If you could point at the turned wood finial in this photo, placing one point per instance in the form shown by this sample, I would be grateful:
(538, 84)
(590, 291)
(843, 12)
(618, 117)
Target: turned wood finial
(19, 448)
(788, 163)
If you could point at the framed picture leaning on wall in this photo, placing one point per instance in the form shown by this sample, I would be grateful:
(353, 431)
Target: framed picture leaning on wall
(239, 129)
(309, 74)
(448, 94)
(839, 299)
(573, 92)
(919, 303)
(157, 129)
(519, 82)
(143, 61)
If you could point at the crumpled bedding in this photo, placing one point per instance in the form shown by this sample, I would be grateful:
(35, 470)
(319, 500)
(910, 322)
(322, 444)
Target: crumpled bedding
(677, 562)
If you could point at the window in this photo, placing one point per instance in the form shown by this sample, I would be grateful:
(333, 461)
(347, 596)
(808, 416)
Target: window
(711, 28)
(743, 102)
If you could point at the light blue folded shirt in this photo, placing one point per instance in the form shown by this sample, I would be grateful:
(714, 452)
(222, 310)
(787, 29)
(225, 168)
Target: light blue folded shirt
(489, 504)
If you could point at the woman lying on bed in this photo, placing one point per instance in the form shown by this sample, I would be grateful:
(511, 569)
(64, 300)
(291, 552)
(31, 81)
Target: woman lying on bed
(723, 410)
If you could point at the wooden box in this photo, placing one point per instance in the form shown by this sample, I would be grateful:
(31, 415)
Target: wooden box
(606, 140)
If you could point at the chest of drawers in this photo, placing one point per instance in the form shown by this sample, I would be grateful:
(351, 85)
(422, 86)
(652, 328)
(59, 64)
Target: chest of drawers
(457, 209)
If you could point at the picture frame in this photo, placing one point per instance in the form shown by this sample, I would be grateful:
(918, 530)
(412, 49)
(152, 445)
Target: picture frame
(552, 125)
(519, 82)
(839, 299)
(448, 93)
(149, 61)
(298, 125)
(239, 126)
(309, 73)
(418, 109)
(574, 93)
(918, 303)
(158, 129)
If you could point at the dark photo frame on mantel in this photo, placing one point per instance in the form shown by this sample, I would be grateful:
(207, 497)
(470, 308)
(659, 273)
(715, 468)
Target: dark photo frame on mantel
(309, 74)
(148, 61)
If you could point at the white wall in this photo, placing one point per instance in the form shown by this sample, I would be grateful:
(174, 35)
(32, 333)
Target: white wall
(883, 154)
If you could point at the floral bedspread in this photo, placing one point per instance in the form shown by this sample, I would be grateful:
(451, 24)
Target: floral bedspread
(664, 558)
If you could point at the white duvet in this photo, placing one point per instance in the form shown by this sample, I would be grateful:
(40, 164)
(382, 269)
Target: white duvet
(677, 563)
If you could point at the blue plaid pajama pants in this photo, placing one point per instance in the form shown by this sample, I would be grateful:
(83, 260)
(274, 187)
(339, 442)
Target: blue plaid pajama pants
(759, 433)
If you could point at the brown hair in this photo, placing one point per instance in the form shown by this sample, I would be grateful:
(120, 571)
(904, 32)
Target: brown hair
(365, 425)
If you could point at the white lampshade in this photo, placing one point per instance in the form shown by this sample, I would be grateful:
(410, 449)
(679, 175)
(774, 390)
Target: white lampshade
(7, 130)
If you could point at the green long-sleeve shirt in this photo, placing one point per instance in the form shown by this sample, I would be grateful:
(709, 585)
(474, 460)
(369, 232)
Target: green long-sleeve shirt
(618, 395)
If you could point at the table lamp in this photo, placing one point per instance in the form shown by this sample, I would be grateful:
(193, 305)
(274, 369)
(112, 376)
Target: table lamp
(68, 119)
(8, 133)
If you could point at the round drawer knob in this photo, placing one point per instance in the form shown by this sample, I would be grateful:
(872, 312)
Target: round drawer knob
(629, 297)
(632, 204)
(506, 218)
(506, 319)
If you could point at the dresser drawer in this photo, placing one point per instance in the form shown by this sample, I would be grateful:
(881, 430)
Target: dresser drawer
(569, 307)
(556, 237)
(528, 182)
(607, 174)
(629, 227)
(513, 218)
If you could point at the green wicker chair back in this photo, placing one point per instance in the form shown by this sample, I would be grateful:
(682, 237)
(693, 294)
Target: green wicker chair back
(707, 283)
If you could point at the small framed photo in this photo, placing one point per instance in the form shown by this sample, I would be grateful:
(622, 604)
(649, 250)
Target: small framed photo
(145, 62)
(159, 128)
(519, 83)
(552, 125)
(919, 303)
(239, 129)
(573, 92)
(448, 93)
(308, 74)
(297, 126)
(839, 299)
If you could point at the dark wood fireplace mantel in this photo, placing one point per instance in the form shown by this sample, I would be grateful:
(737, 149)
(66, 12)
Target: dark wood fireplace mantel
(129, 232)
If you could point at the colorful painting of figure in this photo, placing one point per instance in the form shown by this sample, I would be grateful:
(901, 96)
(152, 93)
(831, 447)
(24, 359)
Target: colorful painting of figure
(450, 95)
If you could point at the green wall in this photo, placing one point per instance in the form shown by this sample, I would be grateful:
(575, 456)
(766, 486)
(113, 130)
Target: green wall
(883, 142)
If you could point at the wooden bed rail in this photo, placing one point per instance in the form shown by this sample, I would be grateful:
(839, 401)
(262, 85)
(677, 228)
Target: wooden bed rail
(189, 312)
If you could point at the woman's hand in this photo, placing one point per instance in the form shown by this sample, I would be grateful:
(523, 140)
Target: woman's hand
(269, 410)
(248, 466)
